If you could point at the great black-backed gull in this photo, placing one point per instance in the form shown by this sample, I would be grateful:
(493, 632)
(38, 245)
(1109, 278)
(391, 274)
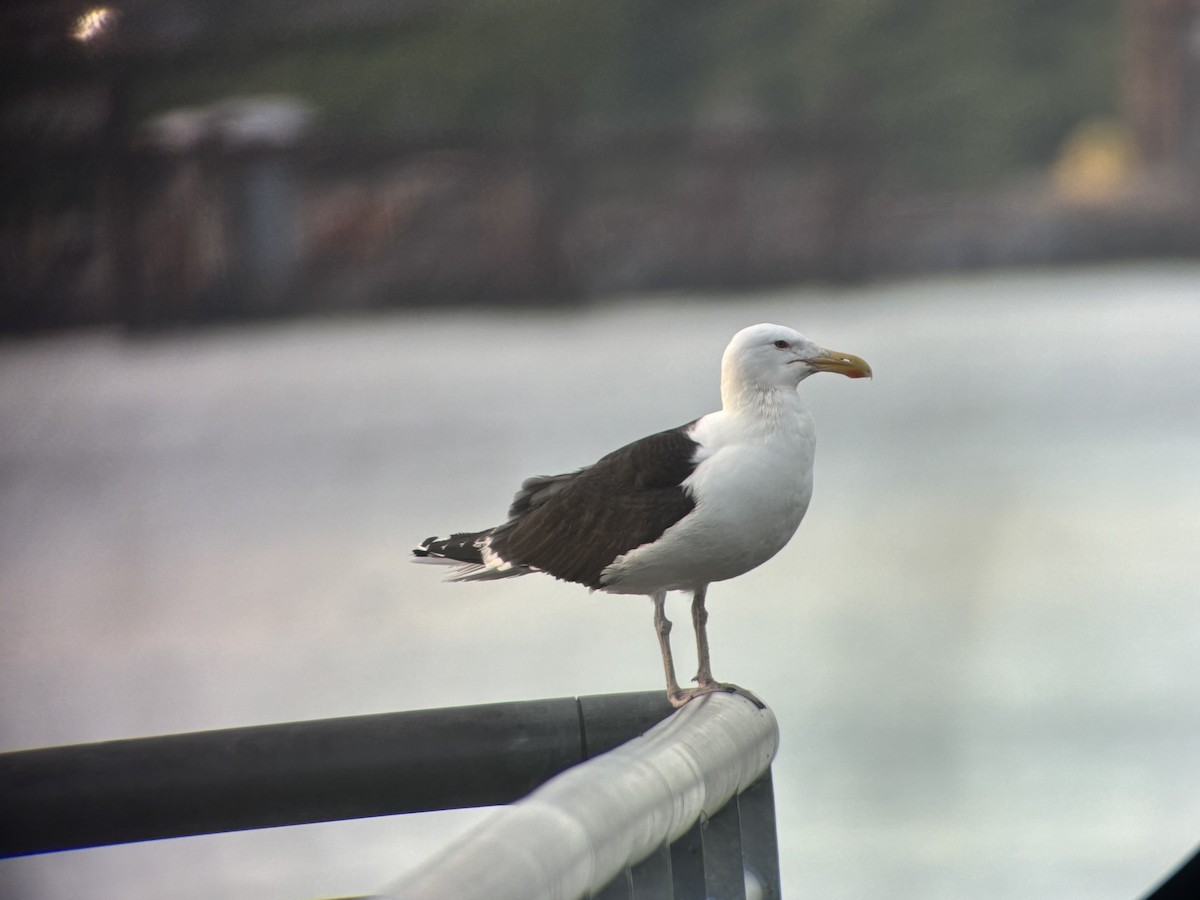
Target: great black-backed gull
(677, 510)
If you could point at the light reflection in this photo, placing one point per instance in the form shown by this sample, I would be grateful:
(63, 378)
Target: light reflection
(93, 24)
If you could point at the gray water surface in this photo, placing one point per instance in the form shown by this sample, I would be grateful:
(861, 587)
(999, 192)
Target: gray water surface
(983, 646)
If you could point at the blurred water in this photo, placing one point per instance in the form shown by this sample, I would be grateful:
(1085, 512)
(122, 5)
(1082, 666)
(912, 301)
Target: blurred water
(983, 646)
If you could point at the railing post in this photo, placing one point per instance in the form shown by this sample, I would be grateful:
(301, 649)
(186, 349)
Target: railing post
(687, 865)
(651, 877)
(760, 840)
(724, 871)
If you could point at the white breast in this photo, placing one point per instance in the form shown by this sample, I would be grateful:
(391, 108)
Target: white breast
(751, 487)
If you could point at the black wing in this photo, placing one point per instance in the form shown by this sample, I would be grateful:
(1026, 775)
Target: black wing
(572, 526)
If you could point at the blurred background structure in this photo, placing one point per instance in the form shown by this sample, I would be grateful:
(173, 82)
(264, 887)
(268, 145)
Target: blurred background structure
(178, 160)
(454, 243)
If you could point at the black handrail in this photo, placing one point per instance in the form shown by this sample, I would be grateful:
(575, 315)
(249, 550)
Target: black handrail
(87, 795)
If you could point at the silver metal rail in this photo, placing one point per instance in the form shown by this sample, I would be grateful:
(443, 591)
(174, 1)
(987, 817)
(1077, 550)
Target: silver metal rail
(578, 832)
(683, 812)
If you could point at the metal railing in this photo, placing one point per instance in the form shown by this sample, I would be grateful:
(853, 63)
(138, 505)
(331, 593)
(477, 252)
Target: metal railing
(685, 810)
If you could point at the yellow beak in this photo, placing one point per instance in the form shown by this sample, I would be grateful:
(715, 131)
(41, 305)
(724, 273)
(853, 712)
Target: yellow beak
(843, 363)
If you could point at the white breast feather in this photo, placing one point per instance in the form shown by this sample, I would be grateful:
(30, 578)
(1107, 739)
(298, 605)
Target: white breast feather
(751, 488)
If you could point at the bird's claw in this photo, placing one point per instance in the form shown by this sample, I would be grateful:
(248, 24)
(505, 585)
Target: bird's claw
(682, 696)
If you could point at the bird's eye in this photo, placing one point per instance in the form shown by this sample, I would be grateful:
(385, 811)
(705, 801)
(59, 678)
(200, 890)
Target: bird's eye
(782, 344)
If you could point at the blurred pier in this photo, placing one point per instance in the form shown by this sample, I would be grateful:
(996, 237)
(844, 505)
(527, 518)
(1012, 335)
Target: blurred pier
(260, 204)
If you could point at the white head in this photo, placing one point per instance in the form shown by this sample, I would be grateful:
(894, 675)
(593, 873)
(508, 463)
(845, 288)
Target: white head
(770, 357)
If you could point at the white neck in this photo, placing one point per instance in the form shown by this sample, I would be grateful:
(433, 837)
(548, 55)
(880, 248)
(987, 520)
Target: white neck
(767, 406)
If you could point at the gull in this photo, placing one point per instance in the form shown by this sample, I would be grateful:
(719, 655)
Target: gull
(677, 510)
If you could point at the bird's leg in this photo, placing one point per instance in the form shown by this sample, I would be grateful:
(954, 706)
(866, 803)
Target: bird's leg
(662, 625)
(704, 675)
(706, 684)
